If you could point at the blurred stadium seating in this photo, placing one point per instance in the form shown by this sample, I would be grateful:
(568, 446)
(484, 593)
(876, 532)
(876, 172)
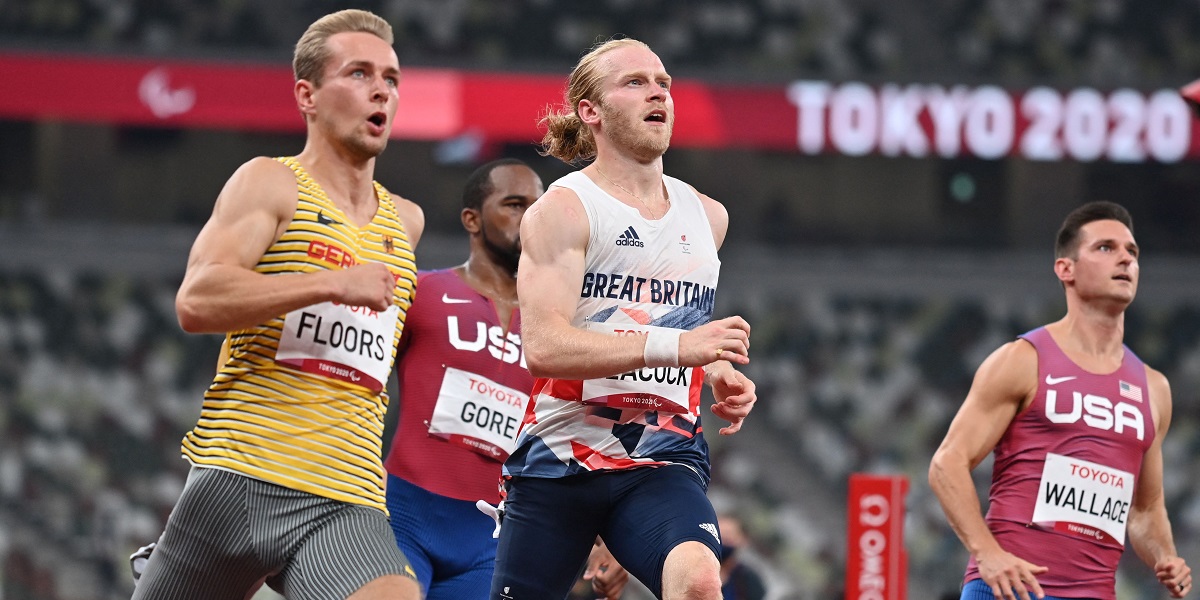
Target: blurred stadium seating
(1102, 43)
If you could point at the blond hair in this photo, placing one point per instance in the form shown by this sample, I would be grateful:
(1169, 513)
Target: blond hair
(312, 52)
(567, 138)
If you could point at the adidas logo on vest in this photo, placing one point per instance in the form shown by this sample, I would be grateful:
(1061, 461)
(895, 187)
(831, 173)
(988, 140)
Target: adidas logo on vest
(629, 237)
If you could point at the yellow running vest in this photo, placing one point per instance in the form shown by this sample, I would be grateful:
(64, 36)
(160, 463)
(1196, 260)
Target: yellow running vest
(298, 402)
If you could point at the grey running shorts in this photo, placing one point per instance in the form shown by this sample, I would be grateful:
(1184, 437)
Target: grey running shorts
(230, 533)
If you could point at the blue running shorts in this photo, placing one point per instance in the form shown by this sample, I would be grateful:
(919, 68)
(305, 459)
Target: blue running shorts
(448, 542)
(550, 524)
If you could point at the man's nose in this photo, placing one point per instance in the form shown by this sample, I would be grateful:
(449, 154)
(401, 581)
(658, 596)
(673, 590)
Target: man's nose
(379, 91)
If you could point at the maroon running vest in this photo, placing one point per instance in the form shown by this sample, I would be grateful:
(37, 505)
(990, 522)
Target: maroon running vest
(1065, 470)
(464, 388)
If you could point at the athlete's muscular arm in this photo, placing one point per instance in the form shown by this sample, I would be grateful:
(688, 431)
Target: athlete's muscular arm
(1149, 528)
(221, 292)
(554, 237)
(1002, 387)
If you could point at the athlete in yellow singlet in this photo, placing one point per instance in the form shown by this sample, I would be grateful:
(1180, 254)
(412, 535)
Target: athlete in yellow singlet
(317, 371)
(307, 265)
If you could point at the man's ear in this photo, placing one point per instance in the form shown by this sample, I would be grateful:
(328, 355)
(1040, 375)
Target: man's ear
(471, 220)
(589, 112)
(1064, 268)
(304, 91)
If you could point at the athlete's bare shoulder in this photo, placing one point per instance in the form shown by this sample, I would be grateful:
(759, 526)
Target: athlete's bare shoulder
(1156, 378)
(1160, 397)
(1009, 374)
(704, 198)
(557, 207)
(558, 198)
(553, 225)
(264, 166)
(412, 216)
(261, 184)
(266, 170)
(1018, 357)
(718, 216)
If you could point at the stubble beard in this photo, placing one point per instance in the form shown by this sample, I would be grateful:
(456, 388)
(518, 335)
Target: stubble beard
(356, 142)
(623, 131)
(507, 255)
(365, 148)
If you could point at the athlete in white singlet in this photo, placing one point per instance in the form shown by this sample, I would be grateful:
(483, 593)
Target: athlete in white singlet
(617, 282)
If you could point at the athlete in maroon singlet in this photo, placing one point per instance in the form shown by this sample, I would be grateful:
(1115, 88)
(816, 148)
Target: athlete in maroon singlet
(464, 390)
(1076, 422)
(464, 387)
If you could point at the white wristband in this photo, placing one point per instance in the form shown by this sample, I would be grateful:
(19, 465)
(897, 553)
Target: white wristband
(662, 347)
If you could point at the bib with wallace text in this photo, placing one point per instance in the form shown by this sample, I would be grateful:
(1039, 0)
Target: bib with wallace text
(1085, 499)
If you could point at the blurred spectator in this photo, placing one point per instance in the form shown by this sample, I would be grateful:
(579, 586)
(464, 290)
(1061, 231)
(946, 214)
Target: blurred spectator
(739, 581)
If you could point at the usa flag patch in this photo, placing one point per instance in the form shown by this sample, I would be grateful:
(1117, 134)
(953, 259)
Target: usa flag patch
(1128, 390)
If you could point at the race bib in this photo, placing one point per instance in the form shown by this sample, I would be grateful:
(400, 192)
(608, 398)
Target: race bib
(1084, 499)
(663, 389)
(479, 414)
(346, 343)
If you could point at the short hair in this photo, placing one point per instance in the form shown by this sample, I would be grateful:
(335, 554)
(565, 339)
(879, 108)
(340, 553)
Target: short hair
(567, 138)
(479, 183)
(1066, 244)
(312, 51)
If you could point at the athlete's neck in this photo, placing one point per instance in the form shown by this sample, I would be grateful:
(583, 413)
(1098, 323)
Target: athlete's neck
(643, 179)
(637, 184)
(1094, 339)
(494, 282)
(348, 180)
(489, 278)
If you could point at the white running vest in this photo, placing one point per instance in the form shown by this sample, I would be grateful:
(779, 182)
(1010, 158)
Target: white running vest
(646, 268)
(639, 274)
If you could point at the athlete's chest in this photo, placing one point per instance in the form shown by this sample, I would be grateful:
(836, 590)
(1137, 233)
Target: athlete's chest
(1084, 406)
(467, 326)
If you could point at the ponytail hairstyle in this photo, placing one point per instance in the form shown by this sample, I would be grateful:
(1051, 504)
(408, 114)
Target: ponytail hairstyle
(567, 137)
